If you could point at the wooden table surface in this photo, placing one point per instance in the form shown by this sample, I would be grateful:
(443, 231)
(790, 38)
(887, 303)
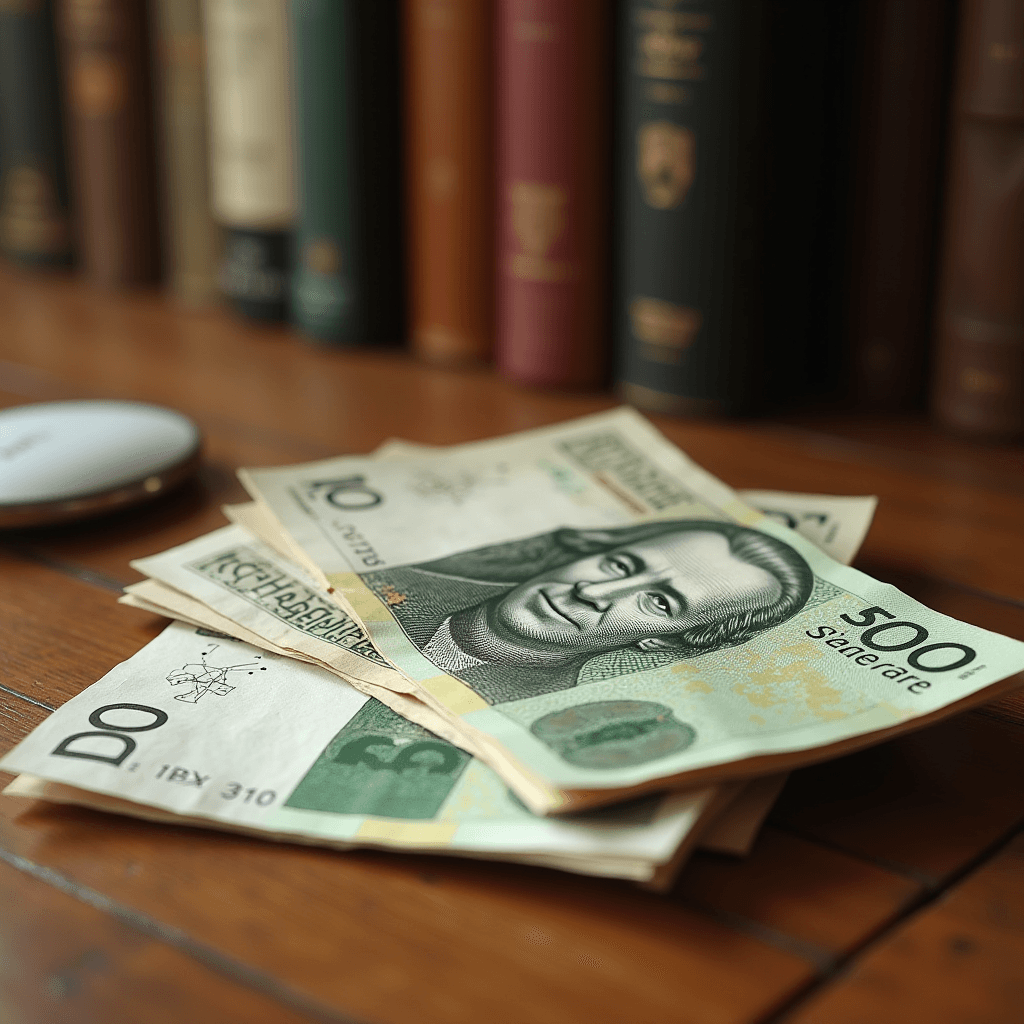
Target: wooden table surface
(887, 886)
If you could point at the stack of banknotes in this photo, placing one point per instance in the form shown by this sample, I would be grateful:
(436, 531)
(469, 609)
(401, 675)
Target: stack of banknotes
(570, 647)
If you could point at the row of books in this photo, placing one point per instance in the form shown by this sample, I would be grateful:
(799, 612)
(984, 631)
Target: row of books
(719, 205)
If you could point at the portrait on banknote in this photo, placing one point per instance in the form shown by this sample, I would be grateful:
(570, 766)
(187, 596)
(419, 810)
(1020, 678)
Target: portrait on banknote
(525, 617)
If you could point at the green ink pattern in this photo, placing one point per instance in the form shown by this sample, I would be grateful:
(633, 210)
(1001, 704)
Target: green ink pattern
(380, 764)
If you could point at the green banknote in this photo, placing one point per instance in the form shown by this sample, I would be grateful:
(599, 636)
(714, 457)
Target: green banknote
(205, 729)
(601, 615)
(232, 582)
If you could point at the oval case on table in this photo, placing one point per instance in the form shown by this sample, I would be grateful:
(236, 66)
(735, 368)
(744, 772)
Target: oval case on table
(69, 460)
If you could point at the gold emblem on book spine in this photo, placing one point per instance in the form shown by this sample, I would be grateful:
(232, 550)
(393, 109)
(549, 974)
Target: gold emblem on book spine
(664, 329)
(322, 256)
(665, 162)
(538, 220)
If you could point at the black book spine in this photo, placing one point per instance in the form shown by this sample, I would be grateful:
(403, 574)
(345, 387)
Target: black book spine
(254, 271)
(379, 166)
(35, 227)
(688, 289)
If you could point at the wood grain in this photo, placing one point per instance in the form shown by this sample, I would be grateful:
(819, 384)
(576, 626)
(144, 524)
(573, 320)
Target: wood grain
(96, 967)
(958, 961)
(926, 804)
(18, 717)
(69, 632)
(828, 899)
(396, 938)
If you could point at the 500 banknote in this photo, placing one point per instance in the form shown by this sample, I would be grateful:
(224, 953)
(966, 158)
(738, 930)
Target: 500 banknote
(600, 615)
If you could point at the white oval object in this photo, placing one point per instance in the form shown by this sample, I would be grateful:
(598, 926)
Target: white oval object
(62, 460)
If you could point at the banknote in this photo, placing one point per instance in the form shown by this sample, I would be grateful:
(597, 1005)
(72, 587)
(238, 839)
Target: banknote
(588, 600)
(155, 597)
(835, 523)
(201, 728)
(231, 581)
(732, 830)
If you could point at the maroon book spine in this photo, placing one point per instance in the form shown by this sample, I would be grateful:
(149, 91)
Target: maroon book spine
(979, 383)
(553, 113)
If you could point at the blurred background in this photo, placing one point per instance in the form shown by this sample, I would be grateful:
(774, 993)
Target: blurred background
(713, 207)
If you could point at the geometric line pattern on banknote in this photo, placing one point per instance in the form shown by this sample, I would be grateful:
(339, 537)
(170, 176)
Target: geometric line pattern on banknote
(242, 571)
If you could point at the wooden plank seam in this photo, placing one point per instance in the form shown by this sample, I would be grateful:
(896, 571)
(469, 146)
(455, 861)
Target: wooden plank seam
(234, 970)
(844, 964)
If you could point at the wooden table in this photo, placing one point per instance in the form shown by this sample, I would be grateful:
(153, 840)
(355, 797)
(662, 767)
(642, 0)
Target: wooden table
(888, 886)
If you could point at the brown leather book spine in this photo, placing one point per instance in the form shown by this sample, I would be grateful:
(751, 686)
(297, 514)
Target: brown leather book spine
(979, 381)
(554, 108)
(449, 81)
(105, 55)
(905, 64)
(191, 237)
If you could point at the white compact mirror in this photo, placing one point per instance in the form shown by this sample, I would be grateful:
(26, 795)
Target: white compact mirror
(68, 460)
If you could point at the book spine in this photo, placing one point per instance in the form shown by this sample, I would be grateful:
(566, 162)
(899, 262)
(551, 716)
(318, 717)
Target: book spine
(35, 227)
(327, 287)
(906, 60)
(450, 178)
(251, 160)
(979, 381)
(347, 281)
(191, 236)
(553, 107)
(105, 50)
(687, 290)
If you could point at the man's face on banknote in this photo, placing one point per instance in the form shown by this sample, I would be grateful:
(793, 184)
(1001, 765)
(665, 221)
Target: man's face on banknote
(637, 593)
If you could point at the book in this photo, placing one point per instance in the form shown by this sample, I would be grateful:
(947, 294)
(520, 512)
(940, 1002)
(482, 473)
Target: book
(191, 238)
(348, 275)
(905, 67)
(688, 287)
(35, 225)
(105, 51)
(979, 381)
(449, 89)
(727, 202)
(553, 90)
(252, 178)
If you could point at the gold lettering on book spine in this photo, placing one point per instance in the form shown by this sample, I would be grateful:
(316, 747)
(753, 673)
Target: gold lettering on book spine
(31, 220)
(664, 329)
(666, 47)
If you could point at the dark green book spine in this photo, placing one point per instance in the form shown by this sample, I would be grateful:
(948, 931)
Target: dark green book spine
(689, 287)
(347, 282)
(35, 227)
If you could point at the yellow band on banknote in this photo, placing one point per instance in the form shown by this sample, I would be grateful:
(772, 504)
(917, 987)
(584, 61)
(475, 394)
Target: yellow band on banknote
(742, 513)
(408, 833)
(453, 694)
